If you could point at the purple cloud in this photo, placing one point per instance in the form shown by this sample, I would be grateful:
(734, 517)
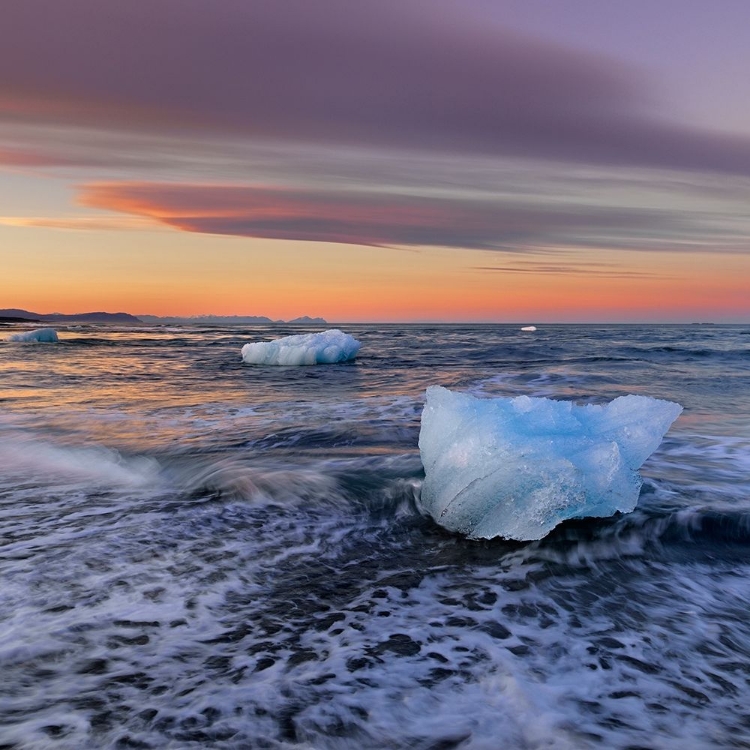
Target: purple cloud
(377, 219)
(399, 73)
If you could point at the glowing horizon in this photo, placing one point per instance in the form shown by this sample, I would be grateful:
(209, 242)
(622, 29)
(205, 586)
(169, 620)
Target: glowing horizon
(400, 285)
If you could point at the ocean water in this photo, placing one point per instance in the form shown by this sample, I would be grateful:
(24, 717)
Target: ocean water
(196, 552)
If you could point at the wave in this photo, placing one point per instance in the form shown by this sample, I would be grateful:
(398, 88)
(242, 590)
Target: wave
(668, 523)
(383, 485)
(27, 456)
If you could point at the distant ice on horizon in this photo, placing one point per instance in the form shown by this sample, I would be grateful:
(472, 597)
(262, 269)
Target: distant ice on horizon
(326, 347)
(517, 467)
(529, 328)
(40, 335)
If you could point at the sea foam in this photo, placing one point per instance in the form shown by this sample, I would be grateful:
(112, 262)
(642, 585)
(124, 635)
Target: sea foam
(26, 457)
(40, 335)
(517, 467)
(326, 347)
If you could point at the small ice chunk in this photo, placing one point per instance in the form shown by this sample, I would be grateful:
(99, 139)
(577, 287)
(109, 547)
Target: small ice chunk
(326, 347)
(529, 328)
(517, 467)
(40, 335)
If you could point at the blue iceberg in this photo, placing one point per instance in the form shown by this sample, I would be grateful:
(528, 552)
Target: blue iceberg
(40, 335)
(326, 347)
(517, 467)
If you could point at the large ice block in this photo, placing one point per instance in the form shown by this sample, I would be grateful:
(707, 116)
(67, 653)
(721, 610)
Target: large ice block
(517, 467)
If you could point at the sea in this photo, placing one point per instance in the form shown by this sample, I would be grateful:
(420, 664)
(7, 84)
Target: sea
(201, 553)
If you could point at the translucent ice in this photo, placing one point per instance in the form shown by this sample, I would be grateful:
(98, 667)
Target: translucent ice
(304, 349)
(44, 335)
(517, 467)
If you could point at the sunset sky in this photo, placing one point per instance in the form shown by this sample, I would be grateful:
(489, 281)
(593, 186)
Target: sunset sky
(392, 160)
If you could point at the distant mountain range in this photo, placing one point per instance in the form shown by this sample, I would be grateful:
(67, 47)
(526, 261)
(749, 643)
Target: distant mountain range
(16, 319)
(229, 320)
(15, 315)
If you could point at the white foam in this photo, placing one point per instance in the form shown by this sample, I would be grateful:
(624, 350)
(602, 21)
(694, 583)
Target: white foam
(40, 335)
(325, 347)
(24, 457)
(517, 467)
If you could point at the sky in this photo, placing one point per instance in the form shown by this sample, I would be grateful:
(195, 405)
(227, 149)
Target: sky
(385, 160)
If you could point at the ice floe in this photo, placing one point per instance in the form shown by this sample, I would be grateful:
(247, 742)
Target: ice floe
(325, 347)
(517, 467)
(40, 335)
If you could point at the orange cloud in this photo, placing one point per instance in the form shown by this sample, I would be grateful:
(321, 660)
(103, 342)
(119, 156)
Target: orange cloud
(380, 219)
(77, 223)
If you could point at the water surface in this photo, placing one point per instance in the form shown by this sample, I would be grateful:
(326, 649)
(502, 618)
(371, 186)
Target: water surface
(196, 552)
